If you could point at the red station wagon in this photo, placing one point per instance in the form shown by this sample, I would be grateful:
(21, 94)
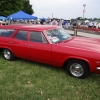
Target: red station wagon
(51, 45)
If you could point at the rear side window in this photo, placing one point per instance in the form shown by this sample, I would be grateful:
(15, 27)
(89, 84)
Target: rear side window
(21, 35)
(6, 32)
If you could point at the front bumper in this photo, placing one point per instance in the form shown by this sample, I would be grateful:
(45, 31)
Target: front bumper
(97, 70)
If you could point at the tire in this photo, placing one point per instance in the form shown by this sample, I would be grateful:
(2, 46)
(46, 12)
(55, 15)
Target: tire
(8, 55)
(77, 68)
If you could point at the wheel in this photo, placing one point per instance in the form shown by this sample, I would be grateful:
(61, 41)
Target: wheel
(77, 68)
(7, 54)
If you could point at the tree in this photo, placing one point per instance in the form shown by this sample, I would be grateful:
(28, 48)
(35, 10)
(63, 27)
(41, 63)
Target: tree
(8, 7)
(79, 18)
(85, 19)
(95, 19)
(27, 7)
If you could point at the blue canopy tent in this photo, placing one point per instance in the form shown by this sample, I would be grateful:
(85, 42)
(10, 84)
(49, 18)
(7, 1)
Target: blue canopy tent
(21, 15)
(2, 18)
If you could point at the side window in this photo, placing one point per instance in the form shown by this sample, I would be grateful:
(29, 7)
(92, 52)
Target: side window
(6, 32)
(37, 37)
(21, 35)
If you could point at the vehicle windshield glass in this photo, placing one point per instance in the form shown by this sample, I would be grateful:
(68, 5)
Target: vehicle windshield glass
(57, 35)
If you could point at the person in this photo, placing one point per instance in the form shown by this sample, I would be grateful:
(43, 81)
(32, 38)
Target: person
(30, 22)
(90, 25)
(74, 25)
(38, 23)
(60, 23)
(64, 23)
(42, 22)
(48, 22)
(0, 24)
(95, 24)
(25, 21)
(99, 25)
(68, 25)
(54, 22)
(75, 28)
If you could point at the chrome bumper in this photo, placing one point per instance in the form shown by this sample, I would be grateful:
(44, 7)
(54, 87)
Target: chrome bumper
(98, 68)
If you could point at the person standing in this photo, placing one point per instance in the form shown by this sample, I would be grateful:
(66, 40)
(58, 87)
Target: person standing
(54, 22)
(99, 25)
(60, 23)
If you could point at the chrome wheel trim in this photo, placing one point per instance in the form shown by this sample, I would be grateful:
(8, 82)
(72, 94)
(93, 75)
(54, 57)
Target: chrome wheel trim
(76, 70)
(7, 54)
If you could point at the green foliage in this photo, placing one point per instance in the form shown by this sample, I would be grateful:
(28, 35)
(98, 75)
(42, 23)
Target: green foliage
(8, 7)
(27, 7)
(79, 18)
(96, 19)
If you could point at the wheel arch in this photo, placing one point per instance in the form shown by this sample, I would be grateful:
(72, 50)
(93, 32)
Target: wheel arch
(7, 54)
(72, 58)
(1, 48)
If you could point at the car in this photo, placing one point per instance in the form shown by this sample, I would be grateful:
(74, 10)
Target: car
(51, 44)
(4, 22)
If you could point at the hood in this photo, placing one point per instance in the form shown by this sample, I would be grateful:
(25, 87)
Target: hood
(89, 44)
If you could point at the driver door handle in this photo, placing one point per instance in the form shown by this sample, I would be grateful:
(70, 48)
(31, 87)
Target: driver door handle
(29, 45)
(10, 42)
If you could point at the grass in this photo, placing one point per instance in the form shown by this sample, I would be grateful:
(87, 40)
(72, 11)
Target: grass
(27, 80)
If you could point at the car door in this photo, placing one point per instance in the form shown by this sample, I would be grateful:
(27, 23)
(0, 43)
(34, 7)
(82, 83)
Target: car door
(19, 44)
(5, 35)
(38, 47)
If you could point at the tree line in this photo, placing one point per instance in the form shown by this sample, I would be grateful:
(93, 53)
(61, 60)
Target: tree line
(80, 18)
(8, 7)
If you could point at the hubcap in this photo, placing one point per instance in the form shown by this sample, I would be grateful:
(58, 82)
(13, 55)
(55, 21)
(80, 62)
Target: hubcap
(76, 69)
(7, 54)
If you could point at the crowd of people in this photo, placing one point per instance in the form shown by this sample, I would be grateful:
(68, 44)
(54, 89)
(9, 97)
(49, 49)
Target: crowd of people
(90, 25)
(53, 21)
(58, 22)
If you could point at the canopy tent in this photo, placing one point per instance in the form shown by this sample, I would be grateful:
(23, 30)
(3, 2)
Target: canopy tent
(21, 15)
(2, 18)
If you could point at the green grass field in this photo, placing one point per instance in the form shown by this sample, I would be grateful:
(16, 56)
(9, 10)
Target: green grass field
(27, 80)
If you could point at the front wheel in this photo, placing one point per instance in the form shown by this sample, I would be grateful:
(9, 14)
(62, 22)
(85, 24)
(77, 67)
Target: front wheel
(77, 68)
(7, 54)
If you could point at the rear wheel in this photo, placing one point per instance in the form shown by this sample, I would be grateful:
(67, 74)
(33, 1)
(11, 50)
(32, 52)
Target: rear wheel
(77, 68)
(7, 54)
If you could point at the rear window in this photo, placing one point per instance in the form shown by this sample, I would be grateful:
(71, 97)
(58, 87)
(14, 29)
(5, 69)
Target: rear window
(6, 32)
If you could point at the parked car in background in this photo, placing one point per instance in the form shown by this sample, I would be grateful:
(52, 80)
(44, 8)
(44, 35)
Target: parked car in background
(4, 22)
(51, 45)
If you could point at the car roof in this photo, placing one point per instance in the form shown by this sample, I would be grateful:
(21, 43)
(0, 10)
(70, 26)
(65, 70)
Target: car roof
(29, 27)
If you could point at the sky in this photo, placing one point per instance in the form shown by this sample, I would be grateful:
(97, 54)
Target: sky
(66, 9)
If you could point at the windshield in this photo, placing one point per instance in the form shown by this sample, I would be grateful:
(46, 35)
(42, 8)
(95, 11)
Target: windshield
(57, 35)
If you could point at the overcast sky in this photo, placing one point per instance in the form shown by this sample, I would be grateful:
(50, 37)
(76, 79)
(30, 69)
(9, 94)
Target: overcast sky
(66, 8)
